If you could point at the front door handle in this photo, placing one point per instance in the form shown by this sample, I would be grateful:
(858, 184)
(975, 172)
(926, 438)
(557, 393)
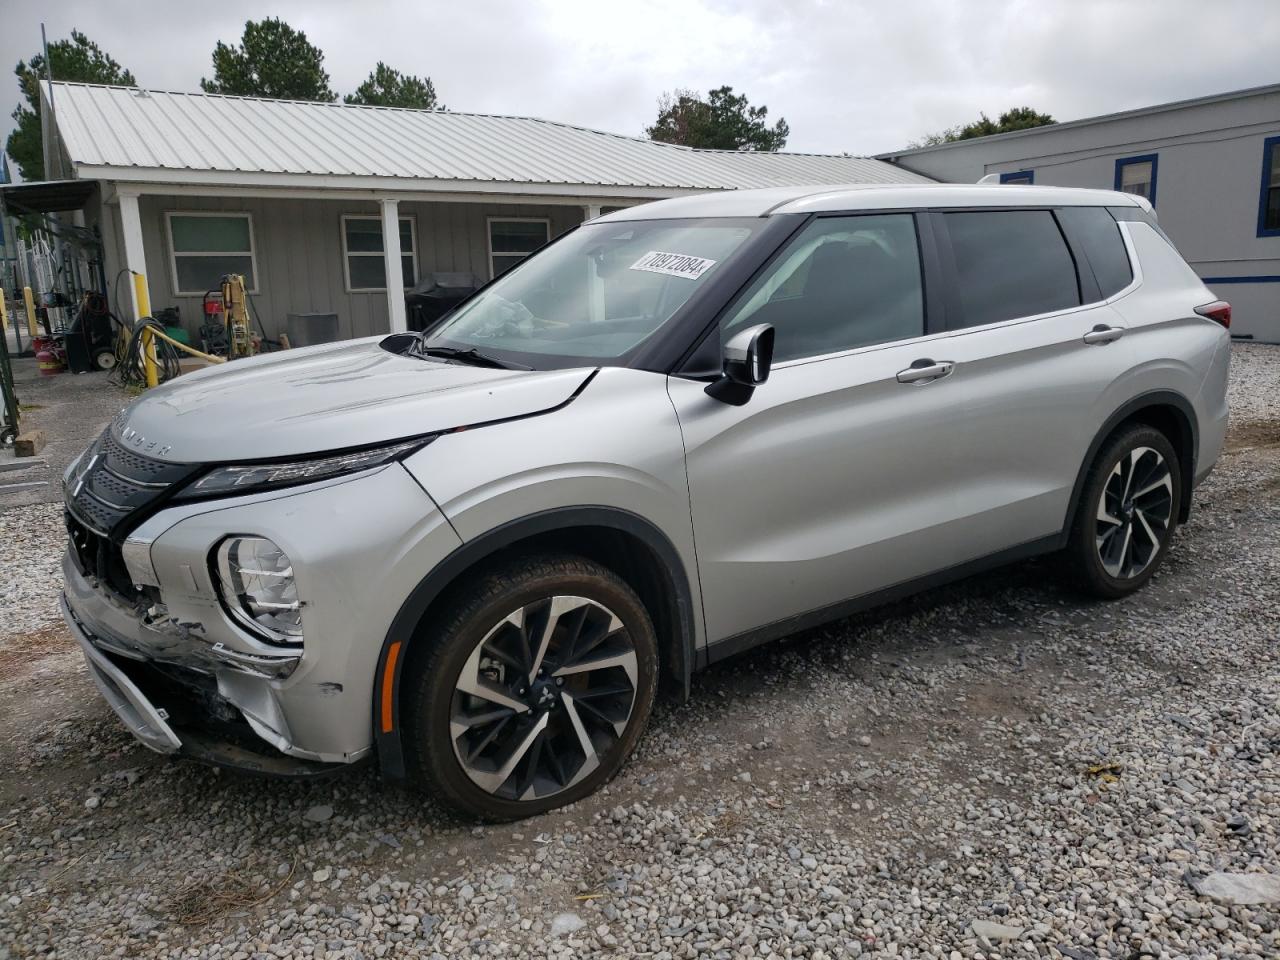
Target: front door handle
(926, 371)
(1103, 334)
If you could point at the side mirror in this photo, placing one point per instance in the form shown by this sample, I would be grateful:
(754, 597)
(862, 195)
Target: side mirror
(745, 364)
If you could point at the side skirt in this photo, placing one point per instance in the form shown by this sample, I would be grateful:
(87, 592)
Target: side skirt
(731, 646)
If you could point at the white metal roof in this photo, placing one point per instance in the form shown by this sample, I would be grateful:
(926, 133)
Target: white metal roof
(1263, 91)
(802, 199)
(129, 134)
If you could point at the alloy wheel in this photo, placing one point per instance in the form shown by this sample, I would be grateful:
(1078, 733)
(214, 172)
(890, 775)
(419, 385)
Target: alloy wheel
(542, 697)
(1134, 513)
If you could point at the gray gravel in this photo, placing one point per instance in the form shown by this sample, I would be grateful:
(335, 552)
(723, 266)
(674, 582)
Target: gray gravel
(995, 769)
(31, 543)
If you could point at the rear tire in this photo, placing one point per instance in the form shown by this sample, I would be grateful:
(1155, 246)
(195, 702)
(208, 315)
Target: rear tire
(1127, 513)
(535, 685)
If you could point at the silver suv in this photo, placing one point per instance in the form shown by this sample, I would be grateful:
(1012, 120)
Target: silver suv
(676, 432)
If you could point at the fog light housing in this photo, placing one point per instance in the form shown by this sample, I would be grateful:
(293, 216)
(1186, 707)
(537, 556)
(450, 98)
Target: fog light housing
(256, 581)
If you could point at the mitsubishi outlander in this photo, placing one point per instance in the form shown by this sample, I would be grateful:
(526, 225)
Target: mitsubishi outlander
(471, 555)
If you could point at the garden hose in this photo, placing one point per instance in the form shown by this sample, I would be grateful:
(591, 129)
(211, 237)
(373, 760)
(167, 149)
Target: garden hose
(130, 371)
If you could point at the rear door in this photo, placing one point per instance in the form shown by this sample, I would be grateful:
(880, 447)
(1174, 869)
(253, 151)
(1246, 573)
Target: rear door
(1038, 353)
(833, 480)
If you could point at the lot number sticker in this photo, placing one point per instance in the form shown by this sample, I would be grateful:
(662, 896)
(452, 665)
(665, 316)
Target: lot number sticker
(673, 264)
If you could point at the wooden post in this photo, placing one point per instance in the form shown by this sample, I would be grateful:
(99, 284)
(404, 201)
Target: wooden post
(32, 326)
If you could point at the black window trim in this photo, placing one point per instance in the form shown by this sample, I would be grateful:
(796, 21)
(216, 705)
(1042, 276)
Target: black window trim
(1088, 278)
(699, 360)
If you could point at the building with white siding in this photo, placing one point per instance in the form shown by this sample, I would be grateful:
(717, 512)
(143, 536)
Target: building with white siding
(316, 204)
(1210, 166)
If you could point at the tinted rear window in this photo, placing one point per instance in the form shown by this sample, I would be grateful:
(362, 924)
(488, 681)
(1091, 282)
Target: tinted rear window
(1096, 232)
(1011, 263)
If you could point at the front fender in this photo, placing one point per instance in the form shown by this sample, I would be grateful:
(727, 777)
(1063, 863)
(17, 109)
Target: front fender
(613, 457)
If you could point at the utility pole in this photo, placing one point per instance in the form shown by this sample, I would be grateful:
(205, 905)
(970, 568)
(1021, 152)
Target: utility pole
(48, 126)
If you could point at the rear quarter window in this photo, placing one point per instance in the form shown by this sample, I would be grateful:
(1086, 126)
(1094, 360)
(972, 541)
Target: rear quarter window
(1010, 263)
(1095, 232)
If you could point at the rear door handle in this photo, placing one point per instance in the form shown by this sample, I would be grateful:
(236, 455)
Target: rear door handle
(926, 371)
(1103, 334)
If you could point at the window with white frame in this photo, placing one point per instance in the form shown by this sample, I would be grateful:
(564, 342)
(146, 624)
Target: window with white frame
(514, 238)
(206, 247)
(1137, 175)
(362, 251)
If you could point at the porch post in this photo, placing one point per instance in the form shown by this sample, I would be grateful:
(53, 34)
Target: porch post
(134, 258)
(595, 286)
(395, 273)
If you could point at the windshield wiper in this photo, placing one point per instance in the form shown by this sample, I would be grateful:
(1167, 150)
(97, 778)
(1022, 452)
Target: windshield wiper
(471, 355)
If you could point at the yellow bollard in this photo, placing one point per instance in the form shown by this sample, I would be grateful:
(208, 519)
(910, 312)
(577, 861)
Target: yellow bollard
(32, 326)
(140, 293)
(148, 339)
(149, 357)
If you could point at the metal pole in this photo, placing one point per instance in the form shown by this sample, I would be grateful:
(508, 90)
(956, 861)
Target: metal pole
(53, 116)
(11, 408)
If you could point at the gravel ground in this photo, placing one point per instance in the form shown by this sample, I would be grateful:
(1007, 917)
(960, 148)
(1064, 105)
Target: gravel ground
(994, 769)
(71, 410)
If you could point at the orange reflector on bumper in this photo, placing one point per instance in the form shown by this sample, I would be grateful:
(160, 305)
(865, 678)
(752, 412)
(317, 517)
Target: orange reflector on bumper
(388, 684)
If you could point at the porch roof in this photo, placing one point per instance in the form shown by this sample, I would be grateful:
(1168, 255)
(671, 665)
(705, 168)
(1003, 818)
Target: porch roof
(128, 134)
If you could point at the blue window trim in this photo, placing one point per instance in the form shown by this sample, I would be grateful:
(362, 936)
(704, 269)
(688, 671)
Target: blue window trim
(1019, 176)
(1259, 279)
(1267, 144)
(1152, 158)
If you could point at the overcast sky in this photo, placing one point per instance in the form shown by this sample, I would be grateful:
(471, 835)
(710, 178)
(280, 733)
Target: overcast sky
(861, 76)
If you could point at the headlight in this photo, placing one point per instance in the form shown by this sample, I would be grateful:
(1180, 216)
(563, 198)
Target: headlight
(256, 580)
(249, 477)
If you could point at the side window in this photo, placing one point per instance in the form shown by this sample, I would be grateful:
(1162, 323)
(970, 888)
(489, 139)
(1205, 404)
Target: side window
(1010, 263)
(844, 282)
(1096, 232)
(1019, 176)
(511, 240)
(206, 246)
(1269, 203)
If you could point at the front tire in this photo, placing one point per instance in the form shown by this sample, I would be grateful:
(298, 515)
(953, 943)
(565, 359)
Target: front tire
(537, 683)
(1127, 513)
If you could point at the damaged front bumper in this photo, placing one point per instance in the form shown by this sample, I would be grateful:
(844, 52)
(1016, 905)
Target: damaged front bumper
(196, 676)
(155, 728)
(180, 693)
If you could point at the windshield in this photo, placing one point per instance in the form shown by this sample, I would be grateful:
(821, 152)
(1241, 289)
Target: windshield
(596, 294)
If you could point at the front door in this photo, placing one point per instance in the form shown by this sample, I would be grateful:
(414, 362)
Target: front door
(835, 478)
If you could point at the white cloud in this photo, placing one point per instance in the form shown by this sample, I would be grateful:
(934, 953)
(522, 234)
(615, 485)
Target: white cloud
(861, 76)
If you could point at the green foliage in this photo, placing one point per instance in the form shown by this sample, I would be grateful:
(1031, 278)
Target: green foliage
(272, 60)
(77, 60)
(722, 121)
(1017, 118)
(391, 88)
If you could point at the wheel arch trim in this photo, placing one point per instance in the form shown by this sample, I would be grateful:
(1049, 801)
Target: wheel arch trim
(385, 704)
(1144, 401)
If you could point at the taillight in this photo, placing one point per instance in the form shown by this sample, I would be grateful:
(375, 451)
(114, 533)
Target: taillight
(1219, 312)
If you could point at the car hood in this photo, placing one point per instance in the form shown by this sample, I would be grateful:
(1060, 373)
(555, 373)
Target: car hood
(315, 399)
